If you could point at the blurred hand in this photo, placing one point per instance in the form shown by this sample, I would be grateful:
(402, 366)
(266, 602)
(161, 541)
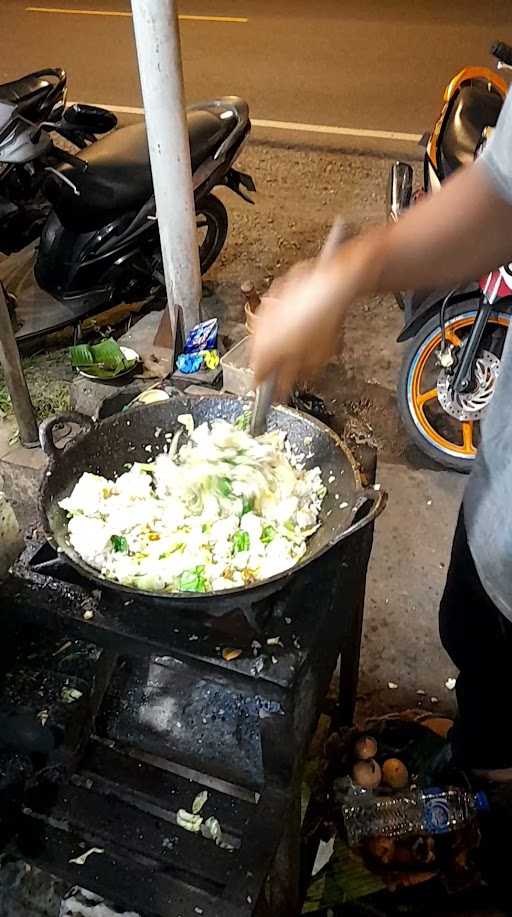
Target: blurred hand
(299, 322)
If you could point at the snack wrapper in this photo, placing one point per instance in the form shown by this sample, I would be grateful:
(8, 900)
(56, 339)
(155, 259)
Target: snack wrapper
(202, 337)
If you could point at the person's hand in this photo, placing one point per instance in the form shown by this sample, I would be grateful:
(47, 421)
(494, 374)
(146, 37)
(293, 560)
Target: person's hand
(299, 322)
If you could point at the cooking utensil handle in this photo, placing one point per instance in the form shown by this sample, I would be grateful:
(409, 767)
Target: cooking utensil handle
(377, 499)
(262, 404)
(46, 430)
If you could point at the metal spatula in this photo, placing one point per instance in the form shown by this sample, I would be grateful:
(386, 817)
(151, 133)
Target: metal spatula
(265, 391)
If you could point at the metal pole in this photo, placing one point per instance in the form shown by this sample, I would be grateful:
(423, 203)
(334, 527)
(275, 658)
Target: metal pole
(159, 54)
(15, 379)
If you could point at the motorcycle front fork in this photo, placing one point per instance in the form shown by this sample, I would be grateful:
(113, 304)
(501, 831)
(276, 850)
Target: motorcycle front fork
(461, 368)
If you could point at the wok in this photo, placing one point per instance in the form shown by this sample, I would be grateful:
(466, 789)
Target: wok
(104, 447)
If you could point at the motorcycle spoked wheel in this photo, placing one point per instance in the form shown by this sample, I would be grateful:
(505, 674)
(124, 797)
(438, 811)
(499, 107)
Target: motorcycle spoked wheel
(448, 440)
(212, 230)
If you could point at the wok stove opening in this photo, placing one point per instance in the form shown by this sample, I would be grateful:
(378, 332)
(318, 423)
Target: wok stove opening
(117, 713)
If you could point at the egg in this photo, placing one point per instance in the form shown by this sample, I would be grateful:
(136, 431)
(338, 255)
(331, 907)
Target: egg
(367, 774)
(395, 774)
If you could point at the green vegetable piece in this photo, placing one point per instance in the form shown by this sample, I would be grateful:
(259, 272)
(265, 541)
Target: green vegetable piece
(224, 487)
(243, 421)
(119, 544)
(241, 542)
(193, 580)
(268, 534)
(176, 547)
(248, 505)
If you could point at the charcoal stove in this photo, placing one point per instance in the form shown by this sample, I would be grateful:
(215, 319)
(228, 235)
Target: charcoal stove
(155, 713)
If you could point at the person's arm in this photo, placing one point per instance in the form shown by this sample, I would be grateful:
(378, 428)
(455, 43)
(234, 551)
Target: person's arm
(449, 238)
(452, 237)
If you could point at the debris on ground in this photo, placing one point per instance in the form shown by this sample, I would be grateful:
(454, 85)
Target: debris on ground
(82, 859)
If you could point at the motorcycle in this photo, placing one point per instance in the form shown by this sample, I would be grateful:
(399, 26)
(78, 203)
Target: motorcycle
(30, 107)
(449, 371)
(100, 245)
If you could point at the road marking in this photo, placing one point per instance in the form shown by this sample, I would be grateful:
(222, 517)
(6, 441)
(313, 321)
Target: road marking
(340, 131)
(296, 126)
(71, 12)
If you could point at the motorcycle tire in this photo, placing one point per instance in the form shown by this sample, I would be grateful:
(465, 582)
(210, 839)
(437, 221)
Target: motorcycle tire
(445, 439)
(212, 216)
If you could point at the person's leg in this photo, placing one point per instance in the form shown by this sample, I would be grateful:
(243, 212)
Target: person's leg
(478, 639)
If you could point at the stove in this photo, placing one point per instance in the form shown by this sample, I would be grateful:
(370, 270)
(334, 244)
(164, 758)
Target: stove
(122, 711)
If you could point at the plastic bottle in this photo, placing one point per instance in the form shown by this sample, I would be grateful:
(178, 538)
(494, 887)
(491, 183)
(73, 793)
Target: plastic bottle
(420, 811)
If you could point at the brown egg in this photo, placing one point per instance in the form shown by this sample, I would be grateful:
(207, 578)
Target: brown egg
(367, 774)
(395, 774)
(365, 748)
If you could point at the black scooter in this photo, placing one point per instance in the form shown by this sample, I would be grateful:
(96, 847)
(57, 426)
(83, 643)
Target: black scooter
(100, 245)
(31, 107)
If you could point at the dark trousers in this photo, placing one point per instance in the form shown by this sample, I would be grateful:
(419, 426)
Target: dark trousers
(478, 639)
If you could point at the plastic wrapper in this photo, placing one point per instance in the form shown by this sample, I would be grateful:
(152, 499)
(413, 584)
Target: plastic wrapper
(202, 337)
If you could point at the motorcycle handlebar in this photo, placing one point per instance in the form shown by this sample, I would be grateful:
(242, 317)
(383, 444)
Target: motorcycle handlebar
(502, 52)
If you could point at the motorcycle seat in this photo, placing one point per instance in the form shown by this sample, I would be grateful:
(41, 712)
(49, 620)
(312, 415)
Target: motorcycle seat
(26, 89)
(475, 107)
(118, 174)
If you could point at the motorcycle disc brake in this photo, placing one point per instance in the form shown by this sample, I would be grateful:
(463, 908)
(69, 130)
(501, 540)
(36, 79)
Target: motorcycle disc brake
(470, 405)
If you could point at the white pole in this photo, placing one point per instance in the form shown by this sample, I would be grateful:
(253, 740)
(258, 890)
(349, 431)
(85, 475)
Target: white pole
(159, 54)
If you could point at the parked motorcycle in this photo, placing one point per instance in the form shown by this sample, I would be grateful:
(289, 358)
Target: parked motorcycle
(30, 107)
(100, 245)
(450, 368)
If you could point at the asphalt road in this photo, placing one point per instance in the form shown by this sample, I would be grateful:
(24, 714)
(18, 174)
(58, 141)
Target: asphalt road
(369, 65)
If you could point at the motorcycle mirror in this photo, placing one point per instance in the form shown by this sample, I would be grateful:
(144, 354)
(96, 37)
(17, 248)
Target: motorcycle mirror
(90, 118)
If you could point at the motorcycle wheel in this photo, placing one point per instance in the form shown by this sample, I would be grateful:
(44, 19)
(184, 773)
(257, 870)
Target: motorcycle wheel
(212, 230)
(444, 426)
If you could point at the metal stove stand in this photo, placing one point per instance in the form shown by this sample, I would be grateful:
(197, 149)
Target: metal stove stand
(154, 716)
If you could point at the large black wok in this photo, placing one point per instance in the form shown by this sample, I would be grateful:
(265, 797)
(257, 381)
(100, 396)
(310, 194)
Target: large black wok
(104, 447)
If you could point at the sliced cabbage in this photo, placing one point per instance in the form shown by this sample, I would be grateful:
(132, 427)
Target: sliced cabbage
(223, 510)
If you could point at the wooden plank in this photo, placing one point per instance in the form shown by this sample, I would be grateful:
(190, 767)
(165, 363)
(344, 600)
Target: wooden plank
(114, 772)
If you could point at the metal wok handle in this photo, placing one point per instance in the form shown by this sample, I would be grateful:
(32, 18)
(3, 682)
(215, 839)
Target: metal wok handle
(46, 439)
(377, 499)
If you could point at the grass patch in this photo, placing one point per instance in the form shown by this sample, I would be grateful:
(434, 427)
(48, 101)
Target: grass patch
(49, 393)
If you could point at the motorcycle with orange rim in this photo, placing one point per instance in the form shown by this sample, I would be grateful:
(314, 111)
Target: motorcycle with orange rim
(456, 337)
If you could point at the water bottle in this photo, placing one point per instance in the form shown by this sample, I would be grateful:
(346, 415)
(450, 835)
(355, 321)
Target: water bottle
(419, 811)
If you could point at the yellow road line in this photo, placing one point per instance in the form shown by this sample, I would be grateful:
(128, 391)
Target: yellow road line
(73, 12)
(213, 18)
